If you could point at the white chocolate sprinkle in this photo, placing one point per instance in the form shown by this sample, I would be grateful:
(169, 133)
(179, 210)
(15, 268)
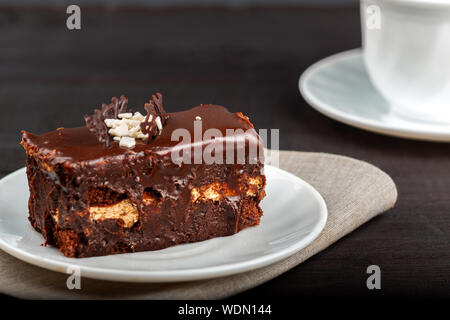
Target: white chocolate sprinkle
(158, 123)
(142, 136)
(127, 128)
(120, 130)
(127, 142)
(138, 116)
(109, 122)
(126, 115)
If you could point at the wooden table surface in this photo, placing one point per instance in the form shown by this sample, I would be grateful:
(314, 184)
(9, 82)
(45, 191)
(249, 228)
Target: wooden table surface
(249, 60)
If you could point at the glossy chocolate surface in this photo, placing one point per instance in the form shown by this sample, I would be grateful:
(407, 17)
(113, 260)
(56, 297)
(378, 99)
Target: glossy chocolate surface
(78, 144)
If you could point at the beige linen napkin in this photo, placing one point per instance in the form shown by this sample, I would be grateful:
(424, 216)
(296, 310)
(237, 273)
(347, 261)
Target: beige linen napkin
(354, 191)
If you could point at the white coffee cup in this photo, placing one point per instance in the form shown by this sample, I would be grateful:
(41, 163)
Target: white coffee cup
(406, 45)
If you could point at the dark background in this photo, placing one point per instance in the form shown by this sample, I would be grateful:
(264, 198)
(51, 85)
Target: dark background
(249, 59)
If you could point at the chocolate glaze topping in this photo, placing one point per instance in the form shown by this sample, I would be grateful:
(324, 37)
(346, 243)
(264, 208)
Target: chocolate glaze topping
(76, 145)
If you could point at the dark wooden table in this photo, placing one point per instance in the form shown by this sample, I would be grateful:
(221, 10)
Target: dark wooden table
(249, 60)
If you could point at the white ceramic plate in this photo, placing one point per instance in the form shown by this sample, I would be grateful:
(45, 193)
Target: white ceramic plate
(340, 88)
(294, 215)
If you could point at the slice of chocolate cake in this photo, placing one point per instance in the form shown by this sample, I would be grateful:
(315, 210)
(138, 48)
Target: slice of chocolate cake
(127, 183)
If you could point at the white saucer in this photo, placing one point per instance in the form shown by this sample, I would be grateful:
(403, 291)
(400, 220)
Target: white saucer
(340, 88)
(291, 221)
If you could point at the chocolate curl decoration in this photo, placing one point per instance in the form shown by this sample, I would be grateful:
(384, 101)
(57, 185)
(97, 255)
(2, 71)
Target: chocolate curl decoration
(154, 110)
(96, 122)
